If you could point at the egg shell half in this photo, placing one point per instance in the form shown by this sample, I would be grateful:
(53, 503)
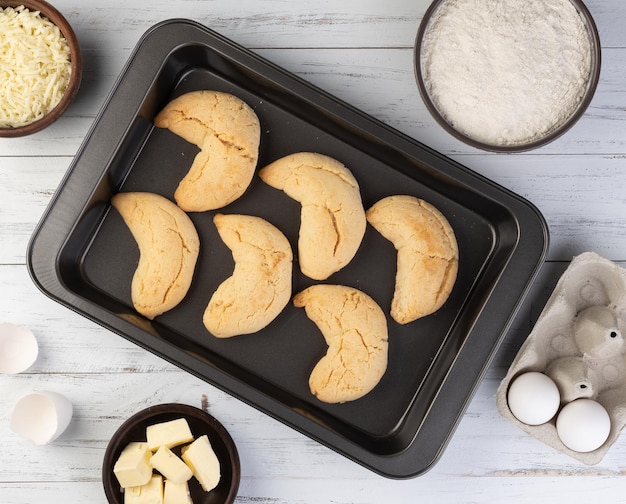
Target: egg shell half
(18, 348)
(41, 417)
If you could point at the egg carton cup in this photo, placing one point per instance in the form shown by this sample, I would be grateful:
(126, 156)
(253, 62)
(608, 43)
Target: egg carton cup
(577, 341)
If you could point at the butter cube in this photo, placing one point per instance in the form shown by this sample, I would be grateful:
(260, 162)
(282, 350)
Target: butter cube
(170, 466)
(170, 434)
(133, 468)
(201, 458)
(150, 493)
(176, 493)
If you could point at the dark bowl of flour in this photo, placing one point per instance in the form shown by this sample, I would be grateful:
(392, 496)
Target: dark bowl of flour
(507, 76)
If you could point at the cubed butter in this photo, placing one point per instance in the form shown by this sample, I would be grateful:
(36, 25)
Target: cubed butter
(150, 493)
(201, 458)
(133, 468)
(170, 434)
(170, 466)
(176, 493)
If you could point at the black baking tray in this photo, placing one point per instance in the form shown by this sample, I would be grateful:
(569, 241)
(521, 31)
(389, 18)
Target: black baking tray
(83, 256)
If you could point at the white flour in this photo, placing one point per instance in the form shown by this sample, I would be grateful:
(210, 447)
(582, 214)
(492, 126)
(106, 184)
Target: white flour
(506, 72)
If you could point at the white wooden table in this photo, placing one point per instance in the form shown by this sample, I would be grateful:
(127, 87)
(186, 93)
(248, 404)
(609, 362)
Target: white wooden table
(362, 52)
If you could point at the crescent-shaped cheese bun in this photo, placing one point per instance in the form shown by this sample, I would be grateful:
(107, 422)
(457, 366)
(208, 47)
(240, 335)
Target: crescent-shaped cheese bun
(427, 254)
(260, 286)
(228, 133)
(168, 250)
(332, 221)
(355, 330)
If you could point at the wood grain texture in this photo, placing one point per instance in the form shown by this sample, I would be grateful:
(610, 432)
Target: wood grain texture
(362, 52)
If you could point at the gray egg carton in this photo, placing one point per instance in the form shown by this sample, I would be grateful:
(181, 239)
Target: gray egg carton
(578, 342)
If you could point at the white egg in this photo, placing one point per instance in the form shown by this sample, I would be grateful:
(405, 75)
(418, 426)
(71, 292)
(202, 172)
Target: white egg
(533, 398)
(18, 348)
(583, 425)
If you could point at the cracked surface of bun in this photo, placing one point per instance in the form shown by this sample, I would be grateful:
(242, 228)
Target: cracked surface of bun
(260, 286)
(227, 132)
(168, 250)
(427, 254)
(332, 220)
(355, 330)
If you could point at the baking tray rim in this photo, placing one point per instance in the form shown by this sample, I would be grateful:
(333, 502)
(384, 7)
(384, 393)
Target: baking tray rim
(529, 252)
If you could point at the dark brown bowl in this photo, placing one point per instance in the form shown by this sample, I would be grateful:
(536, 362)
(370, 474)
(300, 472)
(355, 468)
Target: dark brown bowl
(200, 423)
(57, 18)
(558, 130)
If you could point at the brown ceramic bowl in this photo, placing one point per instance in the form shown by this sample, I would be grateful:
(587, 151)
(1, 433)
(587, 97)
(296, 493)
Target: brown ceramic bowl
(52, 14)
(559, 127)
(200, 423)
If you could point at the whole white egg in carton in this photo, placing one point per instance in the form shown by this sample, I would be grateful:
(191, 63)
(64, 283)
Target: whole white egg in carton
(577, 349)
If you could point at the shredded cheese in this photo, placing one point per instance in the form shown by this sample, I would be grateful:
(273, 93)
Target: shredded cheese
(34, 66)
